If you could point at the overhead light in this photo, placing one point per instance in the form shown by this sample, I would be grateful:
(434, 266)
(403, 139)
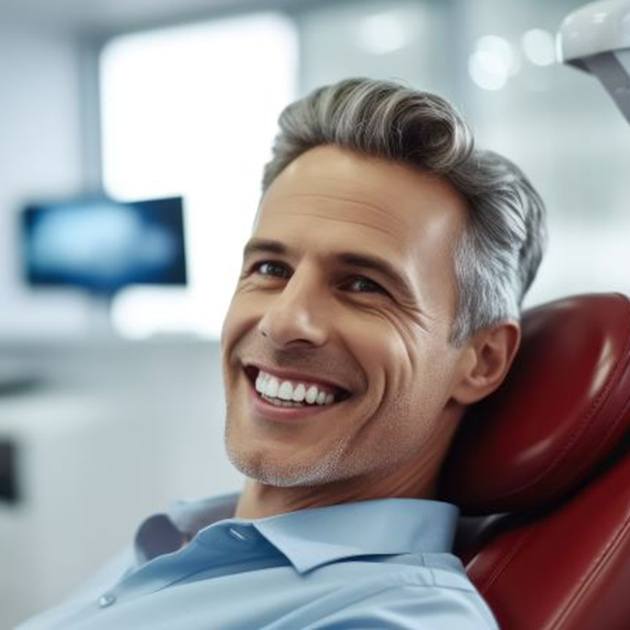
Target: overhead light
(492, 62)
(539, 47)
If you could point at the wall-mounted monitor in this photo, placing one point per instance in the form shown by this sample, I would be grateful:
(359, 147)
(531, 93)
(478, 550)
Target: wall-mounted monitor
(101, 245)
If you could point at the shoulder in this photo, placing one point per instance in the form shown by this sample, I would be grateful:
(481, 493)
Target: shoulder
(424, 591)
(413, 602)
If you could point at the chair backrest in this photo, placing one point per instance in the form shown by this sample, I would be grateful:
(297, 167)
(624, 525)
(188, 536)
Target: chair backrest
(541, 472)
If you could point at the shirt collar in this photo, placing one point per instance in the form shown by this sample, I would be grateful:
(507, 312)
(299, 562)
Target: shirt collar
(166, 533)
(313, 537)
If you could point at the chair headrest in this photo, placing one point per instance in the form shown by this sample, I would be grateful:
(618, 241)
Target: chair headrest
(560, 413)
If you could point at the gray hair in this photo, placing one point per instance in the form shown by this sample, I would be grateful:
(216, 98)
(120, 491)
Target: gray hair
(501, 248)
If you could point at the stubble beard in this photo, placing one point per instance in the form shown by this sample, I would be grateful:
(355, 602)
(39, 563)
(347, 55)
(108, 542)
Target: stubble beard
(270, 471)
(339, 463)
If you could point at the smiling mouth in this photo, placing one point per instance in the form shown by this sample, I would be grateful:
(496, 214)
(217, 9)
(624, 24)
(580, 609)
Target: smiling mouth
(293, 392)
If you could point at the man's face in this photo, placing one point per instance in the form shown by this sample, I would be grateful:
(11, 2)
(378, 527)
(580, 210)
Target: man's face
(347, 292)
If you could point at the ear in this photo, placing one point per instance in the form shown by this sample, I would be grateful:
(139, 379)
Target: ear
(485, 361)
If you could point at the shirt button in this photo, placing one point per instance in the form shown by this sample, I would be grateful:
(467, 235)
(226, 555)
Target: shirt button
(106, 600)
(235, 533)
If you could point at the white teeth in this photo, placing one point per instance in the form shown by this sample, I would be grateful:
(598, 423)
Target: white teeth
(282, 403)
(260, 383)
(271, 387)
(286, 391)
(299, 392)
(311, 394)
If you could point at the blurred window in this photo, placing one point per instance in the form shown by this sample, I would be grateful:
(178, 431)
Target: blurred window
(191, 110)
(495, 61)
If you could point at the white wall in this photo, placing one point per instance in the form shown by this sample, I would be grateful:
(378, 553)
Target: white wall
(40, 147)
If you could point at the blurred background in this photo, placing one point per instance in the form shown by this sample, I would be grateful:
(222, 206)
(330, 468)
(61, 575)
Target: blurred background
(132, 139)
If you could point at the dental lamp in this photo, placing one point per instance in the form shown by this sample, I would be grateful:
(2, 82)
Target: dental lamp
(596, 39)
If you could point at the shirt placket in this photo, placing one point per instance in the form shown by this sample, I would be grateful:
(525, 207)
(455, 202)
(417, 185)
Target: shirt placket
(213, 552)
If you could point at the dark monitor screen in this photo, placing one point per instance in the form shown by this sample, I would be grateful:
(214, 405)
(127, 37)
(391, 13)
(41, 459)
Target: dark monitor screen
(102, 245)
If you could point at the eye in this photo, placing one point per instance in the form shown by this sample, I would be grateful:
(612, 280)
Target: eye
(271, 268)
(361, 284)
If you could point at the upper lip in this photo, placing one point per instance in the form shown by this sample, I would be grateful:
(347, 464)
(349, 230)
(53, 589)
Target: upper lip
(293, 375)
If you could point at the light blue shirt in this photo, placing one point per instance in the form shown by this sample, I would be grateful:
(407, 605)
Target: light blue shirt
(385, 563)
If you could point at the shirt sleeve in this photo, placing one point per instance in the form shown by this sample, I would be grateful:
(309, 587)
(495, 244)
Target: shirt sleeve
(414, 608)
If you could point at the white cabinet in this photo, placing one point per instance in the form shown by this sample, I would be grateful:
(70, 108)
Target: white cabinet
(114, 433)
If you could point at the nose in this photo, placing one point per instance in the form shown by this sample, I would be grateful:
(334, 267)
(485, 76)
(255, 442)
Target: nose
(296, 315)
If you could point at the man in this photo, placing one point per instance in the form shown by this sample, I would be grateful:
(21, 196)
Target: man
(379, 297)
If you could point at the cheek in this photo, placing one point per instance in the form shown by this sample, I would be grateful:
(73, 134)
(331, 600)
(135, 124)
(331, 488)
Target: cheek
(228, 336)
(230, 323)
(240, 318)
(388, 354)
(405, 367)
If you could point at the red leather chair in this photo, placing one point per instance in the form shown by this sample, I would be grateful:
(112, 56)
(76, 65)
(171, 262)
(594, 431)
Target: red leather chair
(541, 472)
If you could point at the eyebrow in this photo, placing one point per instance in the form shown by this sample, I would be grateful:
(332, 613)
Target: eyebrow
(264, 246)
(351, 259)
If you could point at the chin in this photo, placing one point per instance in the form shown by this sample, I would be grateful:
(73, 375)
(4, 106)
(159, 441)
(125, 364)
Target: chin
(270, 471)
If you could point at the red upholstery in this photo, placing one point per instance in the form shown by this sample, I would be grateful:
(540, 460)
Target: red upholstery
(541, 471)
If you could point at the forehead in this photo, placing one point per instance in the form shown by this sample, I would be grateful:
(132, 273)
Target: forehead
(330, 194)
